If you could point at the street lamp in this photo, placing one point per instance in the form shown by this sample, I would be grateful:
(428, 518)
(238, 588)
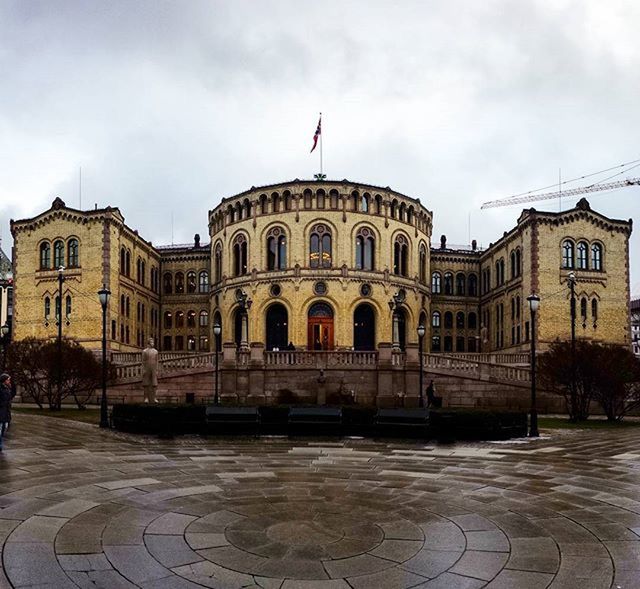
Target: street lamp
(216, 335)
(103, 295)
(534, 303)
(421, 332)
(4, 332)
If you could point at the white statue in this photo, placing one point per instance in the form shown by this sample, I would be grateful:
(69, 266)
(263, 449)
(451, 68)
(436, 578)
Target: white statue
(150, 372)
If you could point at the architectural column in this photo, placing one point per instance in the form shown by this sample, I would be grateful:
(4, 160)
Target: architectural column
(396, 332)
(244, 332)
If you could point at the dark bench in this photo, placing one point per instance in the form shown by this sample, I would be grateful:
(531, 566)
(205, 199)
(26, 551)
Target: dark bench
(402, 422)
(232, 420)
(315, 420)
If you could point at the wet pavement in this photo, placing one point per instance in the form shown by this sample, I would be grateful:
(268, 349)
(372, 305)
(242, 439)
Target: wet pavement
(81, 507)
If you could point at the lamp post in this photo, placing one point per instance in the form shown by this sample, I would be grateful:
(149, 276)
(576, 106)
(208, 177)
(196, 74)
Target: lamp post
(421, 331)
(572, 287)
(103, 295)
(534, 303)
(216, 334)
(4, 332)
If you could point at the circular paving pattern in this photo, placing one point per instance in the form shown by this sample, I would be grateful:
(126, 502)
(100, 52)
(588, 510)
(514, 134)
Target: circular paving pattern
(80, 507)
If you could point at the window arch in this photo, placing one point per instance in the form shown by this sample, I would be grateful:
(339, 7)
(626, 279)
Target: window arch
(355, 200)
(306, 198)
(58, 254)
(168, 320)
(364, 327)
(191, 282)
(123, 256)
(364, 203)
(276, 249)
(583, 310)
(435, 319)
(167, 283)
(400, 255)
(448, 320)
(334, 199)
(218, 263)
(423, 263)
(204, 318)
(179, 283)
(594, 311)
(45, 255)
(436, 283)
(127, 263)
(47, 307)
(275, 202)
(513, 264)
(365, 249)
(240, 255)
(203, 281)
(460, 284)
(378, 201)
(472, 320)
(583, 255)
(472, 285)
(320, 247)
(448, 283)
(73, 250)
(393, 208)
(459, 320)
(264, 204)
(68, 306)
(596, 257)
(179, 319)
(567, 254)
(320, 199)
(191, 318)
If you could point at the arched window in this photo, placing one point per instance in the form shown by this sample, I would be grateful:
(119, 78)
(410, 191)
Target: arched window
(68, 306)
(320, 247)
(460, 320)
(127, 263)
(334, 199)
(320, 199)
(277, 330)
(73, 253)
(596, 257)
(306, 198)
(204, 318)
(239, 211)
(400, 255)
(246, 208)
(513, 264)
(460, 284)
(179, 319)
(191, 318)
(423, 263)
(191, 343)
(583, 256)
(47, 307)
(203, 281)
(435, 319)
(191, 282)
(448, 283)
(567, 254)
(128, 307)
(276, 249)
(583, 309)
(218, 263)
(240, 255)
(393, 208)
(594, 311)
(378, 200)
(167, 283)
(45, 256)
(436, 283)
(179, 283)
(518, 262)
(472, 321)
(168, 320)
(355, 200)
(448, 320)
(364, 203)
(58, 254)
(498, 283)
(275, 202)
(365, 249)
(123, 306)
(364, 328)
(472, 284)
(264, 204)
(123, 260)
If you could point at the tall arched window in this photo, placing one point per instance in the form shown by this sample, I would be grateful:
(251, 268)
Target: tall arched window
(393, 208)
(364, 327)
(191, 282)
(435, 319)
(596, 257)
(472, 321)
(567, 254)
(167, 283)
(594, 311)
(218, 263)
(320, 198)
(306, 199)
(127, 263)
(436, 283)
(423, 263)
(45, 256)
(334, 199)
(168, 320)
(240, 255)
(448, 320)
(320, 247)
(123, 260)
(583, 256)
(459, 320)
(378, 201)
(204, 318)
(513, 264)
(460, 284)
(364, 203)
(518, 262)
(448, 283)
(400, 255)
(365, 249)
(276, 249)
(179, 283)
(179, 319)
(203, 281)
(191, 318)
(68, 306)
(472, 284)
(47, 308)
(275, 202)
(583, 310)
(58, 254)
(73, 250)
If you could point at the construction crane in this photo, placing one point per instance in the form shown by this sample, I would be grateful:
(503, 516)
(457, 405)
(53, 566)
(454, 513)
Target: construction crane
(513, 200)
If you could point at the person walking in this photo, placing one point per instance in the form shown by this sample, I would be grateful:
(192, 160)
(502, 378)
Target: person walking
(5, 403)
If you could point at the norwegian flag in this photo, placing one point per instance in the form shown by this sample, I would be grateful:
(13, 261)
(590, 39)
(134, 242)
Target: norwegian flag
(317, 134)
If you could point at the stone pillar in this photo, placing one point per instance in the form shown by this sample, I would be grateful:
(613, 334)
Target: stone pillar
(385, 397)
(244, 331)
(396, 331)
(412, 375)
(256, 394)
(227, 375)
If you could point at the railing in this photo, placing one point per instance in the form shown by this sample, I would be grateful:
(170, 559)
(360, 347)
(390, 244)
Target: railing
(475, 369)
(321, 358)
(133, 370)
(132, 357)
(494, 357)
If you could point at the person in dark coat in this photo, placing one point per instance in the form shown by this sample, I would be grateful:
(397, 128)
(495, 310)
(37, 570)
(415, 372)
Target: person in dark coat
(5, 403)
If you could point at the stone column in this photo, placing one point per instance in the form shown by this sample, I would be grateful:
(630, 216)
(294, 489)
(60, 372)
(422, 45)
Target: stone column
(396, 332)
(385, 396)
(244, 331)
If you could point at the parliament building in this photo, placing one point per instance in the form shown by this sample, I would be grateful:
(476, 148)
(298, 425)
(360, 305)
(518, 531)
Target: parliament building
(331, 265)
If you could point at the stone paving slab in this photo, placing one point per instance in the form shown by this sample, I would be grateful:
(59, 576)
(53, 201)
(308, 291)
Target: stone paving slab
(83, 507)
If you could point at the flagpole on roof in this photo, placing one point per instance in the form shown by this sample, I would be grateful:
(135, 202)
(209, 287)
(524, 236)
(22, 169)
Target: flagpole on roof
(321, 149)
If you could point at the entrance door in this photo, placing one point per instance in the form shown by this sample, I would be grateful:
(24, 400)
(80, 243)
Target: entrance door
(364, 328)
(320, 327)
(277, 332)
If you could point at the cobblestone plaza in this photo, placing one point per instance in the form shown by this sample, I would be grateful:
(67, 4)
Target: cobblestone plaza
(81, 507)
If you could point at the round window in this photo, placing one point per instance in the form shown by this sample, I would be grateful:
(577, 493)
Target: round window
(320, 287)
(275, 290)
(365, 290)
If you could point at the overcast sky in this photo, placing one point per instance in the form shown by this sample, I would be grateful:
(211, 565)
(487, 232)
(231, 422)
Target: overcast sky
(170, 106)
